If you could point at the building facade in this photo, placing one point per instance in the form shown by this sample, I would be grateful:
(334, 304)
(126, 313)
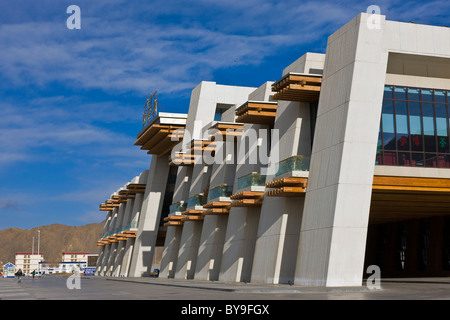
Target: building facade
(340, 164)
(28, 261)
(76, 256)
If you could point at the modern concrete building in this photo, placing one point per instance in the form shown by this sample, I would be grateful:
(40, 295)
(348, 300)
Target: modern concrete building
(76, 256)
(28, 261)
(341, 163)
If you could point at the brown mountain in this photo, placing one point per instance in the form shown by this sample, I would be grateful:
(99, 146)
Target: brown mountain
(54, 240)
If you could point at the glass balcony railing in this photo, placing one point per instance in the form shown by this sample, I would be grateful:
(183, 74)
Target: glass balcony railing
(294, 163)
(196, 200)
(220, 191)
(121, 229)
(131, 225)
(177, 207)
(251, 180)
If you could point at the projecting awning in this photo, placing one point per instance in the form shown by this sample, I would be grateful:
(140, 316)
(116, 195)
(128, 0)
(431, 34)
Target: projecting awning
(257, 112)
(298, 87)
(161, 135)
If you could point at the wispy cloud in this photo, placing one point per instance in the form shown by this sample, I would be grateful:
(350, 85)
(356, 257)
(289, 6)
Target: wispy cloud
(68, 97)
(171, 54)
(8, 204)
(171, 58)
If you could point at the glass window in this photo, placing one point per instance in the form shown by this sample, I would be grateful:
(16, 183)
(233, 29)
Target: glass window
(399, 93)
(415, 114)
(390, 158)
(444, 161)
(404, 159)
(443, 144)
(431, 160)
(379, 158)
(439, 96)
(414, 128)
(401, 112)
(388, 123)
(427, 95)
(389, 141)
(428, 119)
(417, 159)
(441, 119)
(388, 92)
(441, 128)
(388, 106)
(413, 94)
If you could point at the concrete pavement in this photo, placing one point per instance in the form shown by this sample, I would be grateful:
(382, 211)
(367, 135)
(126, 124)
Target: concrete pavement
(108, 288)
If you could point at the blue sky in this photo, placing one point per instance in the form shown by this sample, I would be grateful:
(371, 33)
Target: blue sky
(71, 100)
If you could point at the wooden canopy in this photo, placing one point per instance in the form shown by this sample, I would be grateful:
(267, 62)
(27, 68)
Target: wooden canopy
(217, 208)
(297, 87)
(160, 139)
(287, 187)
(228, 129)
(122, 196)
(247, 199)
(173, 220)
(257, 112)
(401, 198)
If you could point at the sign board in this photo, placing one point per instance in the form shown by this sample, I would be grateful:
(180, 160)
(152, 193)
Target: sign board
(89, 271)
(92, 260)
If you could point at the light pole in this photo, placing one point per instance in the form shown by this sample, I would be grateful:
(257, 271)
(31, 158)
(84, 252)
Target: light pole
(39, 239)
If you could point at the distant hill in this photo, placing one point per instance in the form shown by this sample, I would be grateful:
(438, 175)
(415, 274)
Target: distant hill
(54, 240)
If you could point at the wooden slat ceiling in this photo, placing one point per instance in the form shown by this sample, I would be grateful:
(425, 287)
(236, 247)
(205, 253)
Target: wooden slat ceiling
(402, 198)
(287, 187)
(217, 208)
(228, 129)
(261, 112)
(160, 139)
(393, 198)
(296, 87)
(122, 196)
(247, 199)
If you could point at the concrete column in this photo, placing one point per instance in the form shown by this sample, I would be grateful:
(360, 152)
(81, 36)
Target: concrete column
(239, 247)
(115, 245)
(144, 249)
(277, 240)
(335, 217)
(279, 224)
(214, 226)
(242, 227)
(102, 251)
(211, 247)
(122, 244)
(187, 255)
(129, 245)
(173, 234)
(170, 253)
(107, 254)
(190, 238)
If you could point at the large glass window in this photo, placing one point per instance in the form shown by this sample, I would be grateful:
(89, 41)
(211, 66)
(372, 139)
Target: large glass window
(414, 128)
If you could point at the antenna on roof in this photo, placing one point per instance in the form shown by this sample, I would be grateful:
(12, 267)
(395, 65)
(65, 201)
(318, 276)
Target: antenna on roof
(150, 107)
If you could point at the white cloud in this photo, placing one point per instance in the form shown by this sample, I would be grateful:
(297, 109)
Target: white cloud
(8, 203)
(134, 56)
(68, 133)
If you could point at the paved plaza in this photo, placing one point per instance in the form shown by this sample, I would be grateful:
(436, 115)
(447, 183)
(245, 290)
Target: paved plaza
(101, 288)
